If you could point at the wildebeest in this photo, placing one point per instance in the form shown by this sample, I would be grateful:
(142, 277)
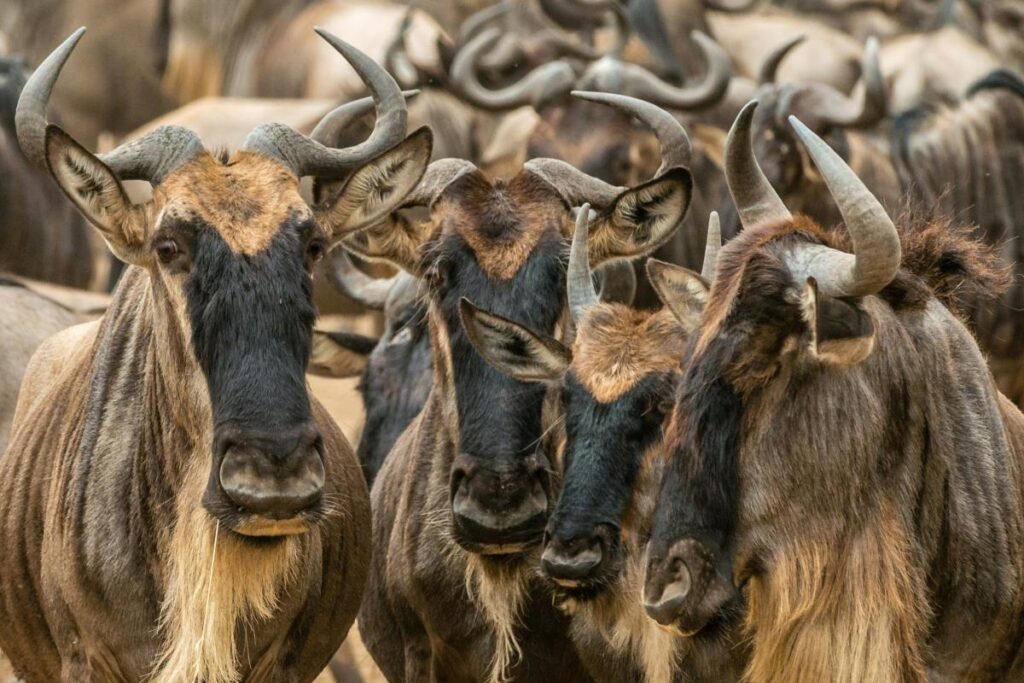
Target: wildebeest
(964, 161)
(177, 507)
(618, 385)
(843, 454)
(41, 235)
(464, 494)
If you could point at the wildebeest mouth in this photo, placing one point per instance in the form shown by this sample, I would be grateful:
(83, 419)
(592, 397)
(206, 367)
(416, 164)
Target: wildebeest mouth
(683, 591)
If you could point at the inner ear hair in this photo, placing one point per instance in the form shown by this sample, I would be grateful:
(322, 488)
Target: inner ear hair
(511, 348)
(395, 240)
(98, 194)
(642, 218)
(840, 332)
(683, 291)
(378, 187)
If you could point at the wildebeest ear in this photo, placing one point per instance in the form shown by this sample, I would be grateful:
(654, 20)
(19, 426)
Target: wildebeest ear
(339, 354)
(642, 218)
(378, 187)
(99, 195)
(683, 291)
(513, 349)
(840, 332)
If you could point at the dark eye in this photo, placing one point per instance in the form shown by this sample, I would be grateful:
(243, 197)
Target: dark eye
(166, 249)
(316, 250)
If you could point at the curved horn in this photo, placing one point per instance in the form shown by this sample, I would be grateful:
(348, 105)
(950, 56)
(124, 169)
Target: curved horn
(396, 60)
(832, 108)
(306, 156)
(675, 143)
(333, 125)
(876, 244)
(479, 20)
(584, 14)
(770, 67)
(357, 285)
(439, 175)
(579, 280)
(714, 244)
(756, 199)
(150, 157)
(613, 75)
(577, 187)
(541, 85)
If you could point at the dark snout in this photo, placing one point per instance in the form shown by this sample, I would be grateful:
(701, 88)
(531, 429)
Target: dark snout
(499, 506)
(274, 474)
(576, 556)
(683, 590)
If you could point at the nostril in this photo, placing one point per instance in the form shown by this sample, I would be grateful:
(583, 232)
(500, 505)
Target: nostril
(259, 485)
(664, 600)
(572, 563)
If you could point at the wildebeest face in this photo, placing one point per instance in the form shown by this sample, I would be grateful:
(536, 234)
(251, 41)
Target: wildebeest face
(230, 244)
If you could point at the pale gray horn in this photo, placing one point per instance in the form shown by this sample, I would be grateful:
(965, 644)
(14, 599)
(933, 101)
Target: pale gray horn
(830, 107)
(577, 187)
(756, 200)
(544, 84)
(355, 284)
(614, 75)
(675, 143)
(306, 156)
(333, 125)
(770, 67)
(150, 157)
(876, 244)
(580, 280)
(711, 249)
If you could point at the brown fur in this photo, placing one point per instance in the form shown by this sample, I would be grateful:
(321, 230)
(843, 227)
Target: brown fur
(246, 198)
(616, 346)
(887, 547)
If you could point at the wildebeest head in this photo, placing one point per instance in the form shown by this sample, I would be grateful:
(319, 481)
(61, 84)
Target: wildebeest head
(229, 245)
(825, 110)
(617, 384)
(501, 245)
(786, 303)
(394, 370)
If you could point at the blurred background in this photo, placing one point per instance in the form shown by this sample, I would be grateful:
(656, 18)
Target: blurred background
(923, 98)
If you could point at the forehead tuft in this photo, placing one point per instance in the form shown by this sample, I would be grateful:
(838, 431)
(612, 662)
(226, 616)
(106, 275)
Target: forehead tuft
(617, 346)
(246, 198)
(501, 222)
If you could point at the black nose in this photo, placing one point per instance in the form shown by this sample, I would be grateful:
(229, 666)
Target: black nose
(499, 507)
(569, 562)
(684, 589)
(277, 474)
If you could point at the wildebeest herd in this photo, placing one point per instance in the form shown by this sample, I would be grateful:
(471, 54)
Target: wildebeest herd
(701, 341)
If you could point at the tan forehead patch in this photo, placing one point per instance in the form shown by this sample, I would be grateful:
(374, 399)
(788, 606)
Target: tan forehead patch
(616, 346)
(245, 200)
(502, 223)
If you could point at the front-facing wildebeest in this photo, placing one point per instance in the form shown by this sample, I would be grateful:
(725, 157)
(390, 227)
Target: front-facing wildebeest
(176, 507)
(618, 388)
(462, 499)
(844, 455)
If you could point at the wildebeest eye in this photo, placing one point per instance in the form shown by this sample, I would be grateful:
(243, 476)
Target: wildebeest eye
(166, 250)
(316, 250)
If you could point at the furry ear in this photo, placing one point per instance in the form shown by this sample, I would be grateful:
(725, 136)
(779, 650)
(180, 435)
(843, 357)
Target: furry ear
(339, 354)
(683, 291)
(99, 195)
(378, 187)
(840, 332)
(642, 218)
(513, 349)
